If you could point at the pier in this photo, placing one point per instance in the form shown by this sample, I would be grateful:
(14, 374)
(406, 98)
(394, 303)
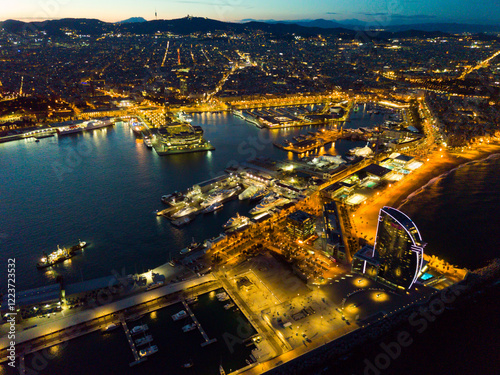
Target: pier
(137, 359)
(320, 139)
(22, 365)
(202, 331)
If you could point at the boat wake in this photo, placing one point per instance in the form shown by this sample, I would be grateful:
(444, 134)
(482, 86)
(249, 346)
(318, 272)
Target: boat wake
(444, 175)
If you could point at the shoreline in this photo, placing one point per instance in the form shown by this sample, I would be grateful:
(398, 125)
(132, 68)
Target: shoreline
(438, 164)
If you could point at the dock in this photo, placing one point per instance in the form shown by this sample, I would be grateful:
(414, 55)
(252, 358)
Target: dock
(137, 359)
(202, 331)
(22, 365)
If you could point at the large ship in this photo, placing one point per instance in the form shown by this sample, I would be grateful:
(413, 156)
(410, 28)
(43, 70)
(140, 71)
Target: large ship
(236, 222)
(180, 137)
(184, 117)
(258, 195)
(148, 142)
(193, 247)
(60, 255)
(137, 128)
(248, 192)
(268, 203)
(219, 196)
(213, 207)
(185, 211)
(70, 129)
(97, 124)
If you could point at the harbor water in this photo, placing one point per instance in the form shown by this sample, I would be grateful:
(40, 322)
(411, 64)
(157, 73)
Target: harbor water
(104, 187)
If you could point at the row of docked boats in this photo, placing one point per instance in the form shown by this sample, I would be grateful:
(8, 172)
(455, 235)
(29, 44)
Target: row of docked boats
(146, 339)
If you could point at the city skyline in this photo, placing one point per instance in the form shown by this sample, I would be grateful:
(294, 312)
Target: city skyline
(226, 197)
(381, 13)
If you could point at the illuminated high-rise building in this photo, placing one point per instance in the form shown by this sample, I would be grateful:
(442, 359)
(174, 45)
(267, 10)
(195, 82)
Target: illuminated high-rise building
(397, 257)
(399, 247)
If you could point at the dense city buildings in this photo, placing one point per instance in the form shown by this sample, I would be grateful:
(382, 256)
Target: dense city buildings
(280, 251)
(300, 225)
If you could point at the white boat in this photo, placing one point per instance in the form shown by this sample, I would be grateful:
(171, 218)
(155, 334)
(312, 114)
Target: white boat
(194, 246)
(268, 204)
(148, 351)
(139, 329)
(184, 212)
(236, 222)
(213, 207)
(183, 116)
(229, 305)
(166, 198)
(248, 192)
(97, 124)
(110, 327)
(144, 340)
(189, 327)
(180, 315)
(258, 194)
(222, 296)
(218, 196)
(188, 364)
(70, 129)
(147, 142)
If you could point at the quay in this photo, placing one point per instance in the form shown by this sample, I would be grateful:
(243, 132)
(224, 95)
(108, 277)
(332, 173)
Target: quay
(197, 195)
(320, 139)
(90, 320)
(202, 331)
(137, 359)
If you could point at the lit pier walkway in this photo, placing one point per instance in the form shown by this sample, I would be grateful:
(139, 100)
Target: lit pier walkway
(137, 359)
(202, 331)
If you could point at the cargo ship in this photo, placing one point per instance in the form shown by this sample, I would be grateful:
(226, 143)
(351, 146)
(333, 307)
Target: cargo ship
(59, 255)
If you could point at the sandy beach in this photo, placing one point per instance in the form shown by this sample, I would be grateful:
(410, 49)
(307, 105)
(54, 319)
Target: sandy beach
(365, 217)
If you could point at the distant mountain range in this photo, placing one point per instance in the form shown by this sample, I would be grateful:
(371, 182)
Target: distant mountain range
(391, 25)
(133, 20)
(187, 25)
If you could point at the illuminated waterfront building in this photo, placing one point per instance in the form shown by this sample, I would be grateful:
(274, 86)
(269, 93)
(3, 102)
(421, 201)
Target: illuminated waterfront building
(397, 257)
(300, 225)
(334, 242)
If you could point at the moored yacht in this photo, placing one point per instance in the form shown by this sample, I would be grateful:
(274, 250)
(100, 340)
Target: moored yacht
(180, 315)
(148, 351)
(139, 329)
(213, 207)
(236, 222)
